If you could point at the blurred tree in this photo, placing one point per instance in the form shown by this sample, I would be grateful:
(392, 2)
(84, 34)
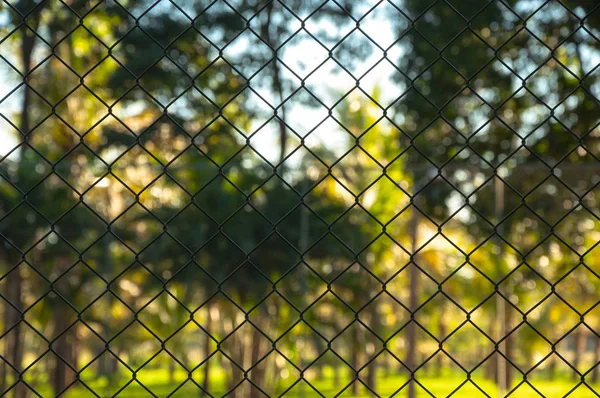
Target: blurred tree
(214, 186)
(495, 96)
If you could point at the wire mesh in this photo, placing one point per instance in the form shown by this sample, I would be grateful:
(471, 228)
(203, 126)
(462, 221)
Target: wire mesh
(299, 198)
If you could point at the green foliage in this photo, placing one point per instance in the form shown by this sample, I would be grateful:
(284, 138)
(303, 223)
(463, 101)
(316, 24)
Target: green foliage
(138, 211)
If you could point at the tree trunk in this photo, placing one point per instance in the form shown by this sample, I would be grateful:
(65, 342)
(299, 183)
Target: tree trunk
(595, 371)
(257, 374)
(74, 350)
(509, 372)
(171, 371)
(503, 373)
(319, 365)
(552, 368)
(376, 327)
(580, 338)
(62, 374)
(354, 347)
(491, 365)
(59, 376)
(442, 332)
(208, 327)
(6, 320)
(336, 376)
(411, 336)
(63, 345)
(2, 377)
(27, 43)
(372, 375)
(277, 84)
(237, 355)
(14, 346)
(386, 368)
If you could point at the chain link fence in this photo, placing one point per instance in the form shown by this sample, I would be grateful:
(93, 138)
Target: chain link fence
(301, 198)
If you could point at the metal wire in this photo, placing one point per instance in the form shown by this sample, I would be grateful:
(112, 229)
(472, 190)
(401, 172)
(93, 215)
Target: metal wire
(426, 179)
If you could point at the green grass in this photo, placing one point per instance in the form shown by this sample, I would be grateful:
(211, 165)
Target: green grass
(157, 380)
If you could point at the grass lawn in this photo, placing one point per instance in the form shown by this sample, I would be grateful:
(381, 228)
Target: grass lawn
(157, 381)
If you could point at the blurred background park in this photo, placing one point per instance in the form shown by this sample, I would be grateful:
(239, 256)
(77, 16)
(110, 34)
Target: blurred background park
(299, 197)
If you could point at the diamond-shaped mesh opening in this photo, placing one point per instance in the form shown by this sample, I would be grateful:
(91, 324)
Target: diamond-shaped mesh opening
(147, 351)
(129, 51)
(397, 346)
(233, 286)
(191, 238)
(43, 72)
(357, 43)
(163, 327)
(525, 279)
(357, 357)
(426, 283)
(111, 382)
(440, 329)
(301, 344)
(294, 292)
(427, 229)
(80, 168)
(328, 267)
(55, 146)
(274, 327)
(62, 304)
(165, 69)
(137, 219)
(539, 382)
(107, 327)
(90, 110)
(136, 110)
(177, 285)
(344, 288)
(65, 197)
(68, 284)
(512, 58)
(467, 334)
(455, 373)
(354, 217)
(468, 277)
(287, 375)
(524, 362)
(318, 316)
(158, 134)
(329, 363)
(147, 375)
